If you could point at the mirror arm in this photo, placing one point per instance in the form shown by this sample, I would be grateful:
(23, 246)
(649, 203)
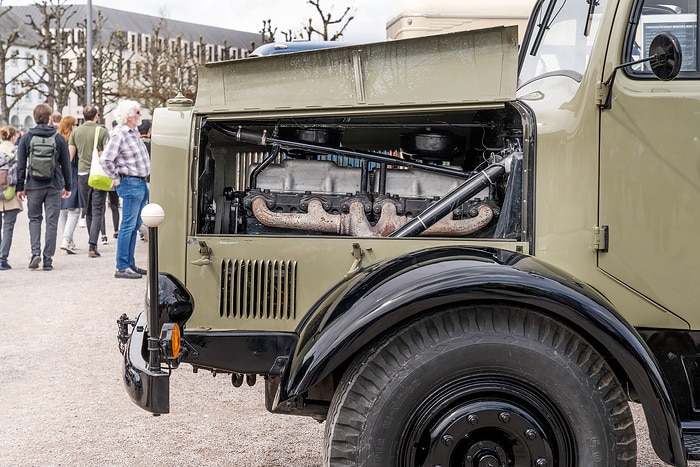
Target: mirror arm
(608, 84)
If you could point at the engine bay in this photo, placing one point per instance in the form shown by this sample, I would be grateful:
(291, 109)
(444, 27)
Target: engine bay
(363, 176)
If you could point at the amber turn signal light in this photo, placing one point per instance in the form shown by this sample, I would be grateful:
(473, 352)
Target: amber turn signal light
(170, 340)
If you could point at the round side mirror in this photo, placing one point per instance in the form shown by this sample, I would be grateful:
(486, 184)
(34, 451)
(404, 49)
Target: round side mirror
(667, 49)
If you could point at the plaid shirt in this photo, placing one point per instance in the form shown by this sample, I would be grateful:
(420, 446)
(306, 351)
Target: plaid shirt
(125, 154)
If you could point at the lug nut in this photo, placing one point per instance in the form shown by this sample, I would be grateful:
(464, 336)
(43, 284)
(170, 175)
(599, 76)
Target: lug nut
(473, 419)
(530, 434)
(541, 462)
(447, 439)
(504, 417)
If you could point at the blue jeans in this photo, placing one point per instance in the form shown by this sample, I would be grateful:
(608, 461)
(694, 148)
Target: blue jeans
(134, 194)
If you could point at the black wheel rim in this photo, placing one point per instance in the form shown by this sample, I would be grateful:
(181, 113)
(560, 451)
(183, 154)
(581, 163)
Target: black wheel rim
(487, 420)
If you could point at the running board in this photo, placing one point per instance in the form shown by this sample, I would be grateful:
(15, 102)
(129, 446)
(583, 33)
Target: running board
(691, 442)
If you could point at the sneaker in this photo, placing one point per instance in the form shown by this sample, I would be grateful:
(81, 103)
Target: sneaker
(138, 270)
(4, 266)
(126, 274)
(104, 239)
(116, 234)
(93, 254)
(68, 247)
(47, 267)
(34, 262)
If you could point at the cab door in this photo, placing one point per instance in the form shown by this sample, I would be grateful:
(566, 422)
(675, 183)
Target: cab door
(650, 167)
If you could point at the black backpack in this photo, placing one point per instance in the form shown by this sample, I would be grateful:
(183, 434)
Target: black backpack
(42, 157)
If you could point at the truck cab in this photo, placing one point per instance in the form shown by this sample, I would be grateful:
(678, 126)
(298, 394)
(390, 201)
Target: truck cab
(452, 249)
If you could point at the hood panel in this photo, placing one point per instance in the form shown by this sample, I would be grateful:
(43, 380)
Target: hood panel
(472, 67)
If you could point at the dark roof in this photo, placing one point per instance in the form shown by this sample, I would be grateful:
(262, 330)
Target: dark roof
(11, 21)
(134, 22)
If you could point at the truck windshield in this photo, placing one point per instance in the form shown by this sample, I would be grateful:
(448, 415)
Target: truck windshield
(562, 36)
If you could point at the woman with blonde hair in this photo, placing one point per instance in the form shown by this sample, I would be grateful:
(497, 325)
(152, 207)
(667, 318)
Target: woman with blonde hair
(70, 207)
(8, 208)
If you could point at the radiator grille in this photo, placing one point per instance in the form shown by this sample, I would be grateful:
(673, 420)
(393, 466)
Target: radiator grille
(258, 289)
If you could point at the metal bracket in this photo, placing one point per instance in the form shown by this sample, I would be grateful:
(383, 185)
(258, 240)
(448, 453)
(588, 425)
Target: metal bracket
(279, 366)
(205, 251)
(601, 238)
(357, 254)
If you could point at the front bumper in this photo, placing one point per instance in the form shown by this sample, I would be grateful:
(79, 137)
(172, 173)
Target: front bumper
(150, 390)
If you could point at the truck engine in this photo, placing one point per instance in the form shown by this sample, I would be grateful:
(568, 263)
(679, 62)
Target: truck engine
(360, 176)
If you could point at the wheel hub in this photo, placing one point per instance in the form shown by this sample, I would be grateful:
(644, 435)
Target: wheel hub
(486, 454)
(488, 434)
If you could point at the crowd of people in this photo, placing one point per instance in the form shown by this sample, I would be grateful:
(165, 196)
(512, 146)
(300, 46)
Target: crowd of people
(54, 161)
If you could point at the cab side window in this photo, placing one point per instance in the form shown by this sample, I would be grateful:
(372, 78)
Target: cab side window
(652, 17)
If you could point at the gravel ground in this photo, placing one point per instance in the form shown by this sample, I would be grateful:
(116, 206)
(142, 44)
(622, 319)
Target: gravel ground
(62, 398)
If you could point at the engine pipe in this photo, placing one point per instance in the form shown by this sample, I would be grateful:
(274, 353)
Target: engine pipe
(454, 199)
(267, 161)
(262, 139)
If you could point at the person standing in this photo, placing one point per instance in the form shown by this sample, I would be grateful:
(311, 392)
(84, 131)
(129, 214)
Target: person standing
(82, 142)
(44, 179)
(113, 201)
(8, 208)
(125, 159)
(145, 132)
(56, 119)
(113, 204)
(70, 207)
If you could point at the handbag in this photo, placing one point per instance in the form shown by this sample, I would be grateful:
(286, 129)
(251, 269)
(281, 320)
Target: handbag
(98, 179)
(8, 176)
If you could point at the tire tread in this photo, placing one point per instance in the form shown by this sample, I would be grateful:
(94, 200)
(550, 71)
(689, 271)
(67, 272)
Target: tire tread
(358, 389)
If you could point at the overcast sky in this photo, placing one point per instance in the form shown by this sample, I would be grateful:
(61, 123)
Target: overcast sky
(369, 24)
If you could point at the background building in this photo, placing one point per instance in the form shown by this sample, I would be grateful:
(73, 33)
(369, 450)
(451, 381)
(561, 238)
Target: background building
(148, 45)
(428, 17)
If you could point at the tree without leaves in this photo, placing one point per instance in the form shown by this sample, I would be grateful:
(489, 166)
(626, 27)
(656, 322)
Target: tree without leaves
(327, 21)
(110, 58)
(7, 54)
(166, 63)
(54, 79)
(267, 34)
(167, 66)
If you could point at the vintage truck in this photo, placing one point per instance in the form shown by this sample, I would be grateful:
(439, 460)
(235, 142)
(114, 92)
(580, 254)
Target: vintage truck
(451, 249)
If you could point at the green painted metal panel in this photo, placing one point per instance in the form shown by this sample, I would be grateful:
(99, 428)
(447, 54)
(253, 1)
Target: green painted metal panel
(467, 67)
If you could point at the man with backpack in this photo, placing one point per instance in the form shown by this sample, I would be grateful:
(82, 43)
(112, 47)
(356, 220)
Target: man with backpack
(43, 177)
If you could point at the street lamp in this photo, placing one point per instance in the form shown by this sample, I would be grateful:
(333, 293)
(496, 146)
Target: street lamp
(88, 55)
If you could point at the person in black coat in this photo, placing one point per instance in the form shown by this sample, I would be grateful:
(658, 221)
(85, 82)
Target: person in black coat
(43, 194)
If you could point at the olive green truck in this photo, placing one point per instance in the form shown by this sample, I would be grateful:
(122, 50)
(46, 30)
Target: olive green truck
(455, 250)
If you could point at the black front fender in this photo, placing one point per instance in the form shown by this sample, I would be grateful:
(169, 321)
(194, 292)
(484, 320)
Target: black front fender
(391, 293)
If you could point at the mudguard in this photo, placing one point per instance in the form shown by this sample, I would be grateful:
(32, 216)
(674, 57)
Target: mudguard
(390, 293)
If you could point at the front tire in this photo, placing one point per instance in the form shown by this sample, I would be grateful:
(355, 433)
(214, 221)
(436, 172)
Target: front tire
(490, 385)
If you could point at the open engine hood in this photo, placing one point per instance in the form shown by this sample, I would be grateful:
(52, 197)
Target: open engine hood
(476, 68)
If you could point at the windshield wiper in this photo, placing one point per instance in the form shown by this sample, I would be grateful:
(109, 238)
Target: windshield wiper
(543, 27)
(591, 9)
